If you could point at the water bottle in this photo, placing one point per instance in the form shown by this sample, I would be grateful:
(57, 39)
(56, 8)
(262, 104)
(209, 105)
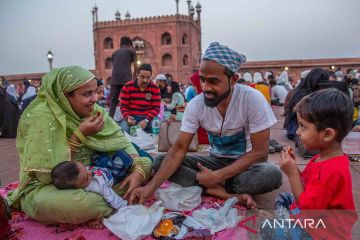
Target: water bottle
(155, 129)
(155, 125)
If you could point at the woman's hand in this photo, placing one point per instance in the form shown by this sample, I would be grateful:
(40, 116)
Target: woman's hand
(133, 181)
(92, 124)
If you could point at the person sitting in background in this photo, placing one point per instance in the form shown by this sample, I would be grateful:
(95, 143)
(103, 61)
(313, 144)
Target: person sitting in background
(262, 86)
(291, 92)
(249, 79)
(9, 113)
(100, 92)
(161, 81)
(243, 82)
(28, 96)
(267, 76)
(177, 102)
(140, 101)
(11, 91)
(190, 92)
(284, 80)
(307, 86)
(278, 92)
(332, 76)
(339, 75)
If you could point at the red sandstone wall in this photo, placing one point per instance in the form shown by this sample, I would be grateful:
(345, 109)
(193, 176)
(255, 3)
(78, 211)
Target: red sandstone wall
(295, 67)
(150, 30)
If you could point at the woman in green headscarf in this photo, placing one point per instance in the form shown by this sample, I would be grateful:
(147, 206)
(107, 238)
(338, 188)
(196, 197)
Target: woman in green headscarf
(64, 123)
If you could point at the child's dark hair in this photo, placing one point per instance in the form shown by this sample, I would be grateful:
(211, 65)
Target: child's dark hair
(64, 174)
(328, 108)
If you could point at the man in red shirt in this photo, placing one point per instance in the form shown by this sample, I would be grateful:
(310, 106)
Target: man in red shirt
(140, 100)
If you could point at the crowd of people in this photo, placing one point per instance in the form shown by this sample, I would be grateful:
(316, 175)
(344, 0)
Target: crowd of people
(13, 101)
(77, 166)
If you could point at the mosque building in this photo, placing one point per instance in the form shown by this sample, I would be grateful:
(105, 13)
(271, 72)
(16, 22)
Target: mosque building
(171, 43)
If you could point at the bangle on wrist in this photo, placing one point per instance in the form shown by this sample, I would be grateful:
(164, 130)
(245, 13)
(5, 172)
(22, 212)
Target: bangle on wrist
(80, 135)
(140, 171)
(74, 146)
(138, 168)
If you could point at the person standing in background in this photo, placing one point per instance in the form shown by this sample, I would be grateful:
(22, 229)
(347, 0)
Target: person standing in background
(121, 73)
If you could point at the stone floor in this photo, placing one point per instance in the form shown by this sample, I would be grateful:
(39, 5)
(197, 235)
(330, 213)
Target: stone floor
(9, 169)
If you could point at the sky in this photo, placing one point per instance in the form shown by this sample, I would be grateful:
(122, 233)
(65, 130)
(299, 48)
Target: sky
(259, 29)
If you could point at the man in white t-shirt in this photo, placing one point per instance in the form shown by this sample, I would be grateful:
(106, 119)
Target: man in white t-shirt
(278, 93)
(238, 120)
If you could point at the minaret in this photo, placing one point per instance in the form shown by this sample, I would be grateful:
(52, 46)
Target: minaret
(189, 4)
(177, 7)
(198, 11)
(192, 12)
(127, 15)
(117, 15)
(96, 13)
(93, 15)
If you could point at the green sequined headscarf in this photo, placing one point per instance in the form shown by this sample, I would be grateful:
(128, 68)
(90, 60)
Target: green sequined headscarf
(49, 121)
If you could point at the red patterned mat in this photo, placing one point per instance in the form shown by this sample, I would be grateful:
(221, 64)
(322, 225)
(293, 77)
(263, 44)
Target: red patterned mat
(23, 227)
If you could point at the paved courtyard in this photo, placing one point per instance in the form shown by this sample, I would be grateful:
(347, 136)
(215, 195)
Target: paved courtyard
(9, 168)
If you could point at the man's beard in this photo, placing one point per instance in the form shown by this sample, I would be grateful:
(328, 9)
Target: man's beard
(216, 101)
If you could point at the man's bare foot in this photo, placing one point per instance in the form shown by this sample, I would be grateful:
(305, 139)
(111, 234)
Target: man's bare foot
(95, 224)
(246, 200)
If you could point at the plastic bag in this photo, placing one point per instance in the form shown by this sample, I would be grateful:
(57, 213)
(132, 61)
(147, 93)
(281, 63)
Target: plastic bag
(178, 198)
(217, 219)
(135, 222)
(142, 139)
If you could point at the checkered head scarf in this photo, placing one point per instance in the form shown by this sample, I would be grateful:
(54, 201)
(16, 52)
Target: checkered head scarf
(224, 56)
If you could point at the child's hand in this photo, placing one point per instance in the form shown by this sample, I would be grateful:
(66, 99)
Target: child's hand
(289, 150)
(288, 164)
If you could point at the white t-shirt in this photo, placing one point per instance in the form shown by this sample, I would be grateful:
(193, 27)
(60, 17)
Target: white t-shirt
(248, 112)
(279, 92)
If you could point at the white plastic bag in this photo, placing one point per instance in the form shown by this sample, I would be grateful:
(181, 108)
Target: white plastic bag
(142, 139)
(178, 198)
(217, 219)
(134, 222)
